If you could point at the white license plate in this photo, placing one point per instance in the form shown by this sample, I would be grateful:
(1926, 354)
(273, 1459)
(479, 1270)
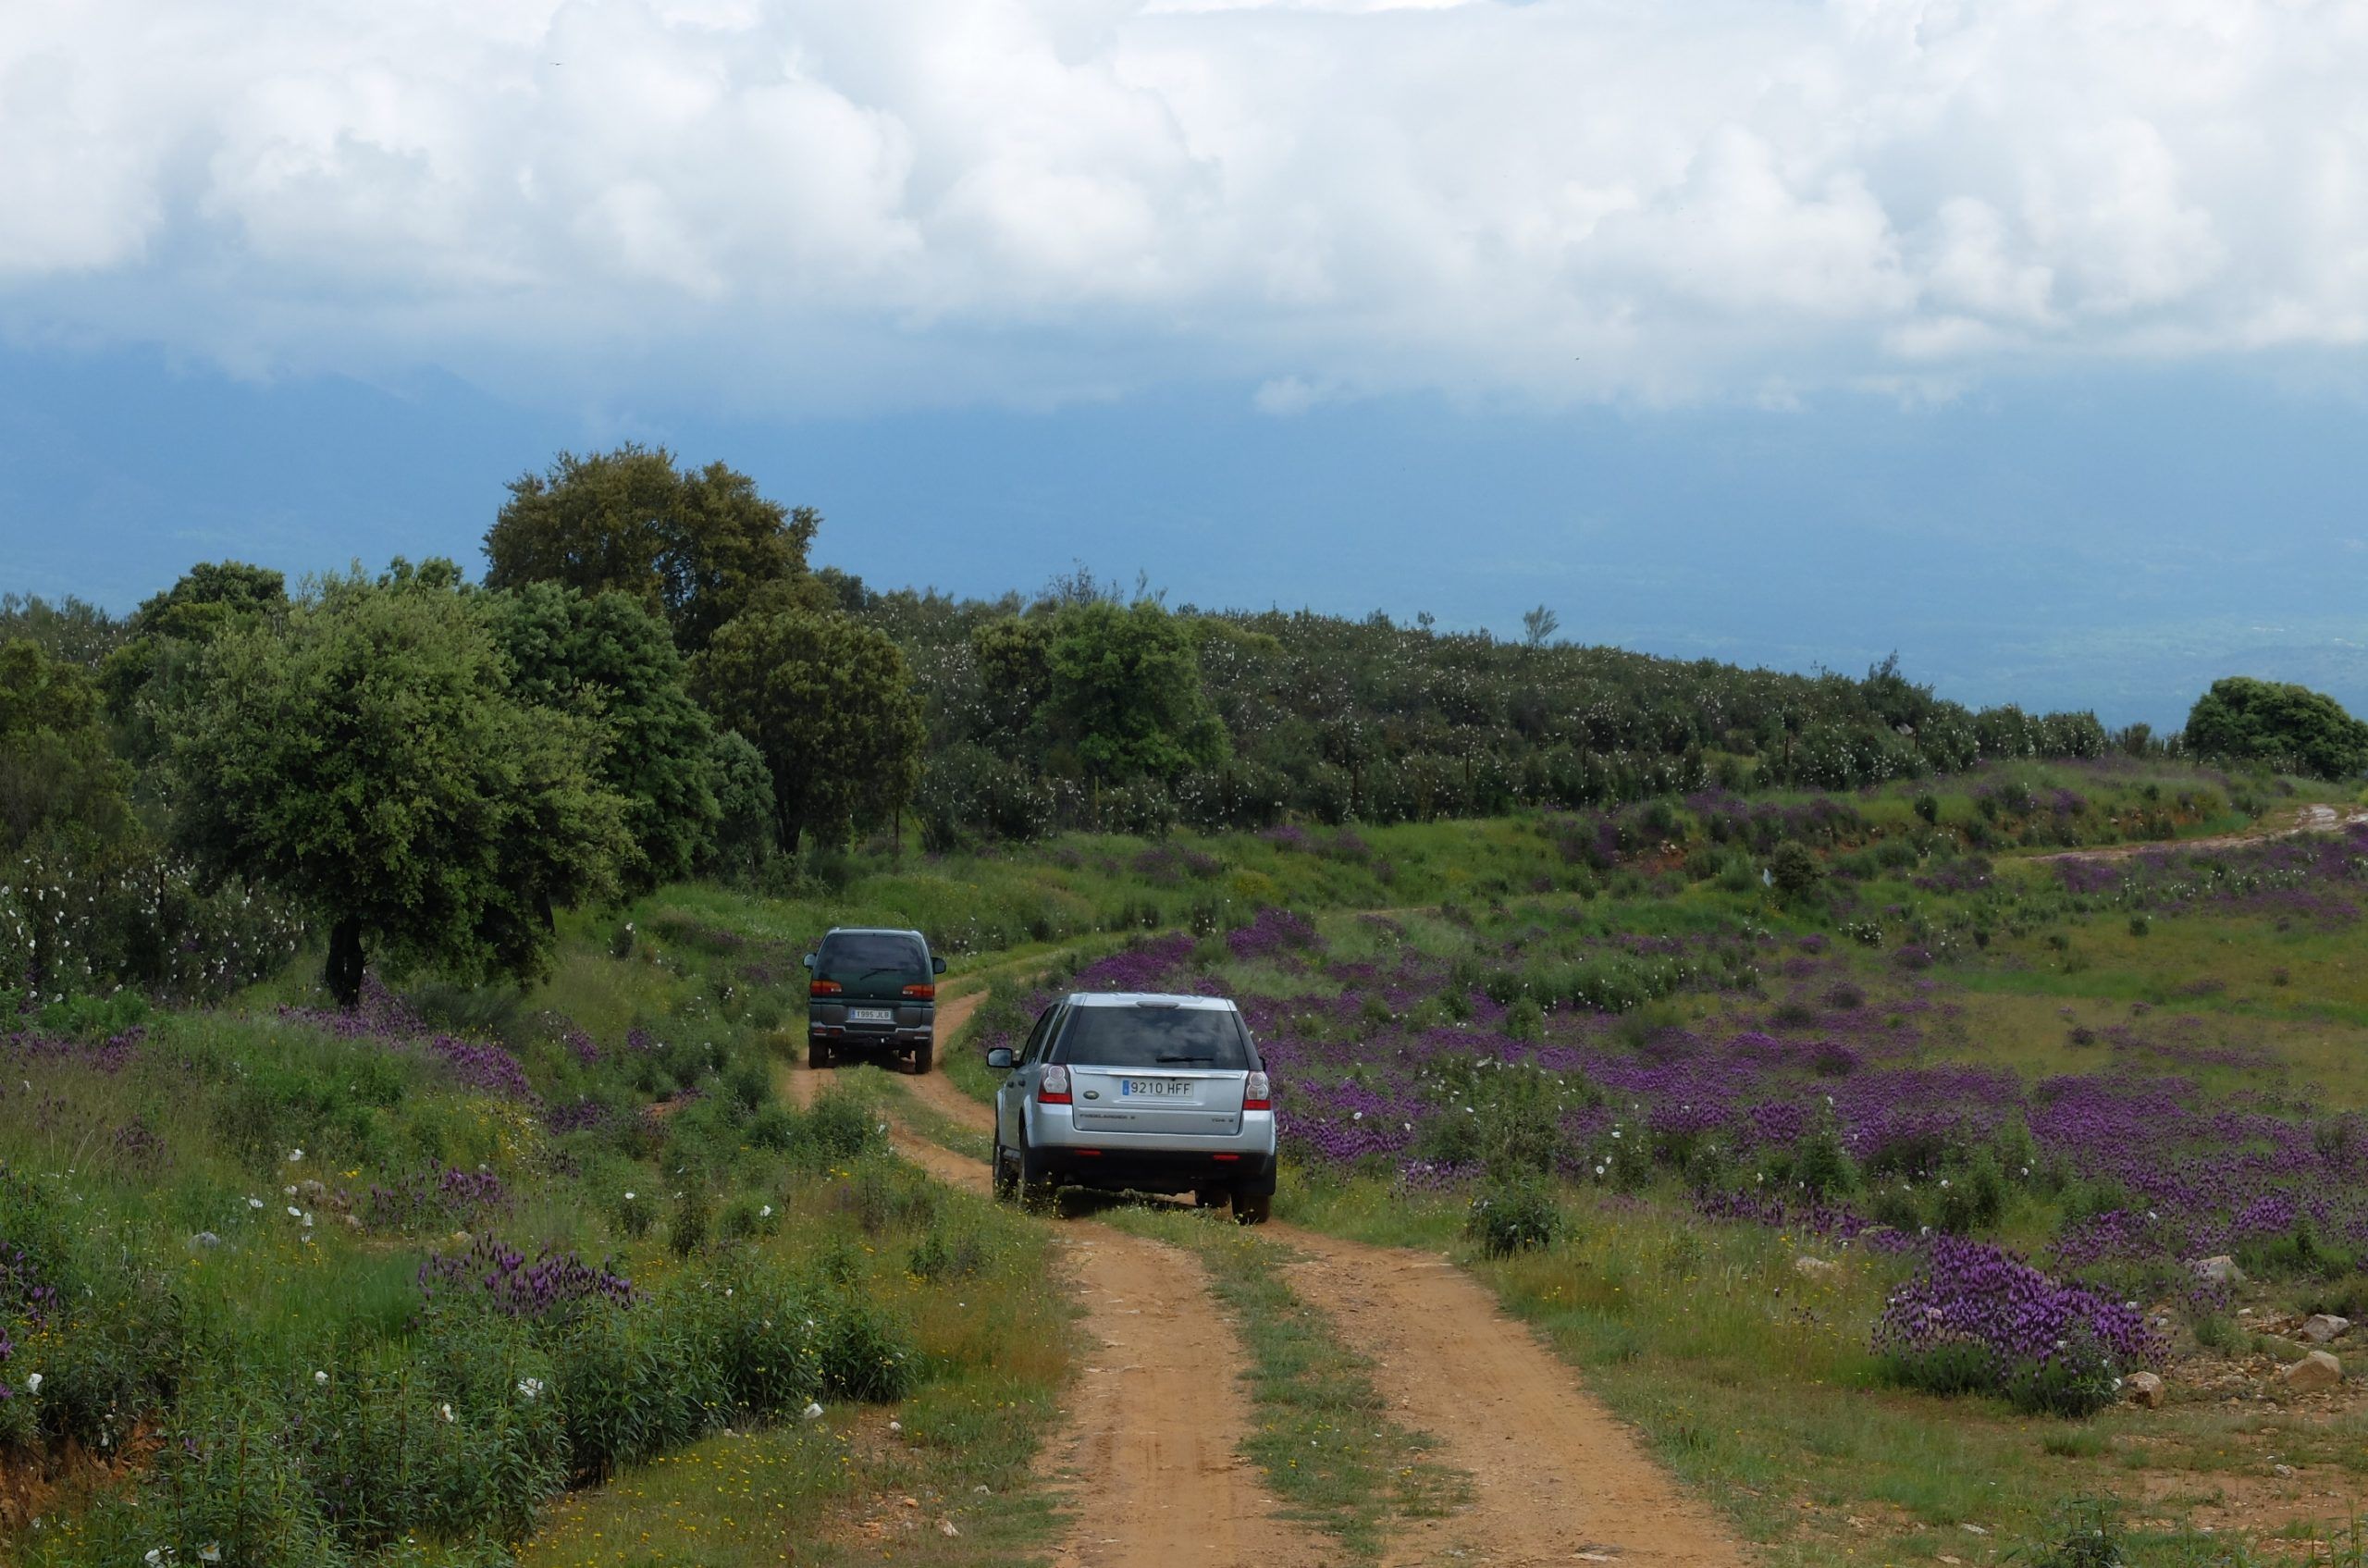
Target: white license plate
(1154, 1088)
(871, 1015)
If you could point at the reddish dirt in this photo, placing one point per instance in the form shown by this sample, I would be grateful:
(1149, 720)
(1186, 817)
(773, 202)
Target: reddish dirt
(1556, 1477)
(1150, 1472)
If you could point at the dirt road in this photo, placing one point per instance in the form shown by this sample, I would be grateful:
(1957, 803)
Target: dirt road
(1149, 1461)
(2307, 820)
(1556, 1477)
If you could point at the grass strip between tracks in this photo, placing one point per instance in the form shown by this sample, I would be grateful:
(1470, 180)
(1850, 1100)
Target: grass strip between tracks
(1325, 1437)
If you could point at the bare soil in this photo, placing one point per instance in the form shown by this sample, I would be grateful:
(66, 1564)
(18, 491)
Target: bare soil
(1151, 1454)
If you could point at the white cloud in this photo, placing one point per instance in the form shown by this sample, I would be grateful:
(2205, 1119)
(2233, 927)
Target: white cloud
(866, 201)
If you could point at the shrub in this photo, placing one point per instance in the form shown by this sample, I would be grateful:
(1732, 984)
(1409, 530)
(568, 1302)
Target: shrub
(1820, 1164)
(1973, 1196)
(866, 1355)
(1977, 1318)
(1514, 1216)
(839, 1127)
(1794, 869)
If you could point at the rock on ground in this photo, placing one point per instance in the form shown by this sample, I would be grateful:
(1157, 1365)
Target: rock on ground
(2144, 1389)
(2318, 1370)
(2325, 1327)
(2221, 1270)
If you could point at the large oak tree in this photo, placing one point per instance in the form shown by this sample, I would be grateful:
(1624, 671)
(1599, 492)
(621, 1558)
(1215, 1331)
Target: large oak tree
(829, 704)
(695, 547)
(367, 757)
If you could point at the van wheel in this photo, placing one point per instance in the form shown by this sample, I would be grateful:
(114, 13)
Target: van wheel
(1250, 1208)
(818, 1056)
(922, 1055)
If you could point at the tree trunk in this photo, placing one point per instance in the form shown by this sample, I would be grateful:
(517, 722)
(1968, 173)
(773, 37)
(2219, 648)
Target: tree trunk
(343, 975)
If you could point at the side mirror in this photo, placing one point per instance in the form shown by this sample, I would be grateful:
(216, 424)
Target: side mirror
(1000, 1058)
(807, 961)
(936, 964)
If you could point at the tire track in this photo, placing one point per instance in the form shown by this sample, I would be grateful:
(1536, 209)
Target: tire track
(1150, 1470)
(1556, 1477)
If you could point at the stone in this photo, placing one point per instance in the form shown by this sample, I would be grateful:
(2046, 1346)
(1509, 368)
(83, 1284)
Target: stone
(2318, 1370)
(205, 1239)
(1816, 1268)
(2325, 1327)
(2144, 1389)
(2221, 1270)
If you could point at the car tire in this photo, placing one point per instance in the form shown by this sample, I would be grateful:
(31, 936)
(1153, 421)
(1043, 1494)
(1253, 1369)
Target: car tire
(1035, 1180)
(924, 1054)
(1250, 1208)
(1005, 1180)
(818, 1056)
(1208, 1197)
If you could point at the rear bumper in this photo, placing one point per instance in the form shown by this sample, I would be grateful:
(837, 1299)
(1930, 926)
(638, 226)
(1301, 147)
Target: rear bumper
(1243, 1161)
(1158, 1170)
(885, 1037)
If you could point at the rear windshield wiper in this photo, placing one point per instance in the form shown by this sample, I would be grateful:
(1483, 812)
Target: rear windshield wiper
(883, 968)
(1184, 1058)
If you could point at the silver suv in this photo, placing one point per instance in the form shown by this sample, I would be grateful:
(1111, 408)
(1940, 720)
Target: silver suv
(1127, 1092)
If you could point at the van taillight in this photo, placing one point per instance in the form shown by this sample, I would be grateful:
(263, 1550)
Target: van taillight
(822, 988)
(1257, 1094)
(921, 993)
(1053, 1088)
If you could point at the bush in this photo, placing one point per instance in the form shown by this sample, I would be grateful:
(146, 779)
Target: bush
(840, 1127)
(1973, 1196)
(1794, 869)
(1977, 1318)
(1820, 1165)
(1514, 1216)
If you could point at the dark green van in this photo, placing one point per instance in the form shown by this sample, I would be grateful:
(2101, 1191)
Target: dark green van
(872, 992)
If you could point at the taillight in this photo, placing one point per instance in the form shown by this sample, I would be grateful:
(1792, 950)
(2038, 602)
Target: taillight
(1257, 1094)
(923, 993)
(1053, 1088)
(822, 988)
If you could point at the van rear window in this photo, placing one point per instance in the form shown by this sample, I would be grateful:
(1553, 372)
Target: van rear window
(1153, 1036)
(859, 954)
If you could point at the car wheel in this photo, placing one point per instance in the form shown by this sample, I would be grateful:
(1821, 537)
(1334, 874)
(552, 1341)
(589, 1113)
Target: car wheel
(1035, 1180)
(1007, 1180)
(1208, 1197)
(818, 1056)
(1250, 1208)
(924, 1054)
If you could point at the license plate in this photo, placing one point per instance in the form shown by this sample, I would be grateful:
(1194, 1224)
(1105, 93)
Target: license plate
(1154, 1088)
(871, 1015)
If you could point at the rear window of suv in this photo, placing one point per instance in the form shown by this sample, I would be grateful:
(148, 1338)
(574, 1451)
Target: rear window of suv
(862, 954)
(1153, 1037)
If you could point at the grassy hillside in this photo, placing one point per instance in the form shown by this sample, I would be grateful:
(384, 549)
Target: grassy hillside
(477, 1273)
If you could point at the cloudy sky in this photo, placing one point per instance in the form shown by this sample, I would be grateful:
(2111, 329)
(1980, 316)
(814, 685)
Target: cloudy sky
(2024, 337)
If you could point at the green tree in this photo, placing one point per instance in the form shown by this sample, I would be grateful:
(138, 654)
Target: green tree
(829, 704)
(1126, 697)
(73, 630)
(2290, 728)
(164, 637)
(1014, 655)
(744, 793)
(58, 781)
(612, 662)
(695, 548)
(366, 757)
